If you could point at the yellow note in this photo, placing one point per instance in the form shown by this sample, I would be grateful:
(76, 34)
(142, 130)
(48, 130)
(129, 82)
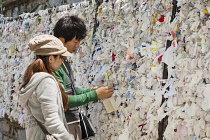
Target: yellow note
(153, 65)
(141, 97)
(11, 50)
(206, 11)
(154, 49)
(154, 43)
(100, 10)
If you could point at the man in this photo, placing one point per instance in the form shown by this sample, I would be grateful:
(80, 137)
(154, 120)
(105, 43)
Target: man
(71, 30)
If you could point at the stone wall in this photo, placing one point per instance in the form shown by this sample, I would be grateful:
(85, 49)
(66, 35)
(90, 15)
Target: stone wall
(11, 130)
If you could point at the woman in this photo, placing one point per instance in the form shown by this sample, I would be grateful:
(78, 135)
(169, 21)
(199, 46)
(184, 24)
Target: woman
(41, 94)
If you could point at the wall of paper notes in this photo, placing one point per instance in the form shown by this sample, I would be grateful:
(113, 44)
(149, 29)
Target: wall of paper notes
(127, 51)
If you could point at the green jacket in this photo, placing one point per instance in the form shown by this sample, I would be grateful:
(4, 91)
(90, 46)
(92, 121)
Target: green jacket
(83, 95)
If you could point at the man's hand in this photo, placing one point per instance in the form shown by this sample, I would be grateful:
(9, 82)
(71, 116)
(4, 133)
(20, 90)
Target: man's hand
(105, 92)
(94, 88)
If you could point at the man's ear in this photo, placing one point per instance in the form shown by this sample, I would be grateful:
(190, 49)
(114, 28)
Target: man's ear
(62, 39)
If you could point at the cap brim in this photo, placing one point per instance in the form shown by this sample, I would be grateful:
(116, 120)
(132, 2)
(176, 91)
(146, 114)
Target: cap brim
(68, 54)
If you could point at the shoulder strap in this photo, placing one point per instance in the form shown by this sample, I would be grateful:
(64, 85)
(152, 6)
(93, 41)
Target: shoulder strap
(68, 70)
(42, 126)
(66, 66)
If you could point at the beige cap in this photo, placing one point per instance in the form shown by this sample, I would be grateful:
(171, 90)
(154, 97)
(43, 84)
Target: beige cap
(47, 45)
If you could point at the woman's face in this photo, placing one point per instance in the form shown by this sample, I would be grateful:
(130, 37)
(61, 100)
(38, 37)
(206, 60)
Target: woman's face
(55, 62)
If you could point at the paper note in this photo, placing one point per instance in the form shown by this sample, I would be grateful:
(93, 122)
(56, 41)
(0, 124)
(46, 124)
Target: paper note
(11, 50)
(110, 105)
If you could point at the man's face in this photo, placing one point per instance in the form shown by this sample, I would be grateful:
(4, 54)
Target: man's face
(71, 45)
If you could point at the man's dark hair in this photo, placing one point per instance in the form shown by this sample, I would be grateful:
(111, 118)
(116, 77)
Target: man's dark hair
(70, 26)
